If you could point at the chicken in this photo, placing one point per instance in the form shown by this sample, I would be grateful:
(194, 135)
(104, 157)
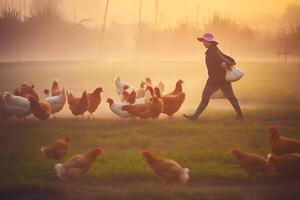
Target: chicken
(178, 88)
(148, 83)
(57, 149)
(251, 163)
(16, 105)
(26, 91)
(170, 171)
(140, 110)
(78, 106)
(281, 145)
(157, 105)
(78, 165)
(172, 103)
(56, 102)
(117, 108)
(94, 100)
(140, 93)
(120, 85)
(55, 91)
(40, 109)
(287, 165)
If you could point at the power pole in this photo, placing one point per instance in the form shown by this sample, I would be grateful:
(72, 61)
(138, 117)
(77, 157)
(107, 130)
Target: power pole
(103, 28)
(282, 46)
(156, 13)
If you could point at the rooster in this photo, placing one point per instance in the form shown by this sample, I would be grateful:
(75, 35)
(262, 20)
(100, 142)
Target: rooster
(281, 145)
(170, 171)
(78, 106)
(287, 165)
(55, 91)
(94, 100)
(251, 163)
(56, 102)
(57, 149)
(40, 109)
(78, 165)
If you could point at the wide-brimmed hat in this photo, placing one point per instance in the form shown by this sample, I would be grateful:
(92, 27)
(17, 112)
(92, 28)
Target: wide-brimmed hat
(207, 37)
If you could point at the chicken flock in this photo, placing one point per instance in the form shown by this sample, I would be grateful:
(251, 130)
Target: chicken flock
(285, 159)
(145, 101)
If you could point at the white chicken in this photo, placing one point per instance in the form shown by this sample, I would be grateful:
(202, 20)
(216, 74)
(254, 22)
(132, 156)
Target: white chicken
(144, 86)
(117, 108)
(121, 85)
(17, 106)
(56, 102)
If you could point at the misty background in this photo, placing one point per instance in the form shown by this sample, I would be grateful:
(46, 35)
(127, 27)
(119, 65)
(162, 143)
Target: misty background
(146, 29)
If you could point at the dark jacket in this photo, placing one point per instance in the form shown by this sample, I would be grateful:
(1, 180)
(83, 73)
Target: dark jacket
(214, 58)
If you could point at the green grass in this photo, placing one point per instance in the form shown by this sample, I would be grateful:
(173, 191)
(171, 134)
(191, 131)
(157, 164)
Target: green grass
(121, 172)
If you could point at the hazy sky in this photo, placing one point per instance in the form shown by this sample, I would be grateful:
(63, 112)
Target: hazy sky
(264, 14)
(261, 13)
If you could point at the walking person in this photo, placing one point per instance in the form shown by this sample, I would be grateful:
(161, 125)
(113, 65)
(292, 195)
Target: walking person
(216, 63)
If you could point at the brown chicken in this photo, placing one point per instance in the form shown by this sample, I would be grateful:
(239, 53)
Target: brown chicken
(281, 145)
(78, 106)
(170, 171)
(251, 163)
(287, 165)
(94, 100)
(55, 91)
(26, 91)
(140, 110)
(178, 88)
(57, 149)
(172, 103)
(78, 165)
(40, 109)
(156, 104)
(131, 97)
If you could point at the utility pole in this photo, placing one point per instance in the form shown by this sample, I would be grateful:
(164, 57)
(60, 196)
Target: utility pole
(156, 13)
(103, 28)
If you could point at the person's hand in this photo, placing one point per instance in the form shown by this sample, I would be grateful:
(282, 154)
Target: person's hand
(224, 65)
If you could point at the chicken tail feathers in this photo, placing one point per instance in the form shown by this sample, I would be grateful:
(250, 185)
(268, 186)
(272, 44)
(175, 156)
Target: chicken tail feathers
(60, 171)
(185, 176)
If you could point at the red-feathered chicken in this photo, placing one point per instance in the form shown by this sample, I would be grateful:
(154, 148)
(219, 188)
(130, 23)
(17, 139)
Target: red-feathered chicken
(170, 171)
(156, 104)
(178, 88)
(172, 103)
(55, 90)
(281, 145)
(57, 149)
(40, 109)
(287, 165)
(78, 165)
(94, 99)
(78, 106)
(251, 163)
(140, 110)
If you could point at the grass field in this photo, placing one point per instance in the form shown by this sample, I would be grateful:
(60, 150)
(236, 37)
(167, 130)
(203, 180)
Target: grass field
(269, 94)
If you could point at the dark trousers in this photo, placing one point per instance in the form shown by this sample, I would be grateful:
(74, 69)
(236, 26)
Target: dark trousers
(210, 89)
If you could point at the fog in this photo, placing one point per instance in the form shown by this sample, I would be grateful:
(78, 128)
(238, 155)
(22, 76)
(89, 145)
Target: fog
(153, 30)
